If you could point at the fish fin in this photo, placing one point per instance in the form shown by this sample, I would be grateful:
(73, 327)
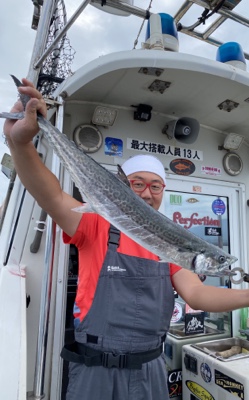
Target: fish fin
(84, 208)
(121, 175)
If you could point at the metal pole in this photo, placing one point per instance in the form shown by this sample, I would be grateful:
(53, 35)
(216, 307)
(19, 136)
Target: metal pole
(33, 74)
(38, 63)
(44, 312)
(41, 39)
(119, 6)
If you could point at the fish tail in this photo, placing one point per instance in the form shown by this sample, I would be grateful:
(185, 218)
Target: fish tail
(17, 82)
(23, 97)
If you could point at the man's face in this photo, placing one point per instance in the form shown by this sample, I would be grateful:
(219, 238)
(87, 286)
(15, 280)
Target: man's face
(148, 178)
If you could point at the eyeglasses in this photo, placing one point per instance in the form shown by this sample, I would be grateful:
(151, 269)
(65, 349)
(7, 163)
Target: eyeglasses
(141, 186)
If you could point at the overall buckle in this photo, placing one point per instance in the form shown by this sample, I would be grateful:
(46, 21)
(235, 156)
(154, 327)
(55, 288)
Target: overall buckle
(110, 360)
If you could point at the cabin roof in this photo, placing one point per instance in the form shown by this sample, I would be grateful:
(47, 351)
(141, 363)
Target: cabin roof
(197, 86)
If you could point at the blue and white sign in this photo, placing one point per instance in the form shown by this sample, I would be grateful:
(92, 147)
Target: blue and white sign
(113, 147)
(218, 207)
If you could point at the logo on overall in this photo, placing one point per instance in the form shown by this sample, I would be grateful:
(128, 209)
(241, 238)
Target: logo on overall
(115, 268)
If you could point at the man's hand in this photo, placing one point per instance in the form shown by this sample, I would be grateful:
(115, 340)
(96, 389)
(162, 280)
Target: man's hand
(21, 132)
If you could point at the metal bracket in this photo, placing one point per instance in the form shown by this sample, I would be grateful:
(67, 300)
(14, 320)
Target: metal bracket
(243, 276)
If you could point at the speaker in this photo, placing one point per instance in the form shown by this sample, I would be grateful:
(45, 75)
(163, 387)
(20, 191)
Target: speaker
(88, 138)
(184, 130)
(232, 163)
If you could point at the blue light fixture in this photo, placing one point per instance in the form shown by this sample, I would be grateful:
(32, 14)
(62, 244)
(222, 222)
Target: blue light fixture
(168, 25)
(231, 53)
(168, 31)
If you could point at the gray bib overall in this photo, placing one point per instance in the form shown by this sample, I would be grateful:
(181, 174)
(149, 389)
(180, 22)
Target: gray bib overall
(130, 313)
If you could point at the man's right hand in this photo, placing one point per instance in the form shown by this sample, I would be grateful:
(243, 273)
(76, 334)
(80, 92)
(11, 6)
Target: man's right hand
(21, 132)
(42, 184)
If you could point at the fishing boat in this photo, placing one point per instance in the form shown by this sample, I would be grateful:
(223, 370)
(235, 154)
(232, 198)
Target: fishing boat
(191, 112)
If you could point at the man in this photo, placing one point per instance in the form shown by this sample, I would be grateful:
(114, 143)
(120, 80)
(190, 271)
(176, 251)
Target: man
(125, 298)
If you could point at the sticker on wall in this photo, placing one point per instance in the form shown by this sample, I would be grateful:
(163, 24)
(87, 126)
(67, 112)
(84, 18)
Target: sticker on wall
(113, 147)
(194, 323)
(212, 231)
(175, 199)
(218, 207)
(147, 146)
(197, 189)
(199, 391)
(177, 313)
(192, 200)
(194, 220)
(180, 166)
(206, 372)
(229, 384)
(175, 383)
(210, 170)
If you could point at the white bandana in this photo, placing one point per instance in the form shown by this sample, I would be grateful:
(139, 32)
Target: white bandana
(144, 163)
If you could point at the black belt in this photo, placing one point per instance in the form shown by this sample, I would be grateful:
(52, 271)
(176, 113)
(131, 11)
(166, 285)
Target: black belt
(95, 339)
(80, 353)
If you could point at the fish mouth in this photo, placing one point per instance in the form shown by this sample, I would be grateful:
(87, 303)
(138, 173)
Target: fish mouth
(225, 272)
(210, 267)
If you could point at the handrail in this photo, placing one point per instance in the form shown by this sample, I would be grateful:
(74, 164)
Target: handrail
(44, 312)
(38, 388)
(223, 14)
(35, 245)
(42, 336)
(46, 292)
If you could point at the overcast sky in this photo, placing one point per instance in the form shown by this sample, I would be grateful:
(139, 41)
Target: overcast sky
(95, 33)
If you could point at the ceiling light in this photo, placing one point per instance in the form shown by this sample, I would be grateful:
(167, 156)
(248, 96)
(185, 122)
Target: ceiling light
(104, 116)
(232, 141)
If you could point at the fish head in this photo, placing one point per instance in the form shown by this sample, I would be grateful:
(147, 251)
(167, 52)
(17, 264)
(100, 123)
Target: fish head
(213, 266)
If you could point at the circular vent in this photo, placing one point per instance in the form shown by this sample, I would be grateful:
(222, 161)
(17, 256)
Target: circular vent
(232, 164)
(88, 138)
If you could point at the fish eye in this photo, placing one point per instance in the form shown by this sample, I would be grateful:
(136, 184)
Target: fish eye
(221, 259)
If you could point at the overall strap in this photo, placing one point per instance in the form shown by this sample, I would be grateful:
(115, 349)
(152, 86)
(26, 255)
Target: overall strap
(114, 236)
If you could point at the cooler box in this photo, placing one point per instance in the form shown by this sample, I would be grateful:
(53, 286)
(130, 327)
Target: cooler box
(175, 341)
(208, 376)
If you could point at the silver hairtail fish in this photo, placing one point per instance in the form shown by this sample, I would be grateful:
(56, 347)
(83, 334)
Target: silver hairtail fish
(112, 198)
